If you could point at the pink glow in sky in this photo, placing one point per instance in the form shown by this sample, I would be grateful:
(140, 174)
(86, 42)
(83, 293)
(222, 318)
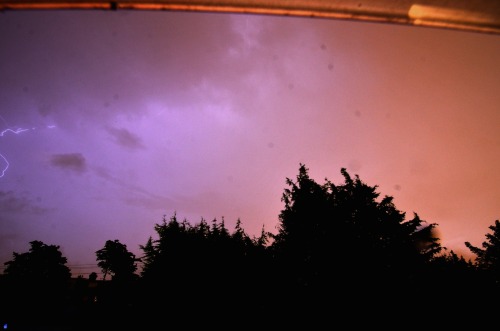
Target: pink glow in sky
(133, 115)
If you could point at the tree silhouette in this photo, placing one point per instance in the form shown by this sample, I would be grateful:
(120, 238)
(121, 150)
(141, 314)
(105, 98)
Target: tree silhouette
(488, 257)
(93, 276)
(41, 263)
(336, 237)
(203, 266)
(453, 274)
(484, 287)
(116, 260)
(341, 250)
(117, 298)
(35, 286)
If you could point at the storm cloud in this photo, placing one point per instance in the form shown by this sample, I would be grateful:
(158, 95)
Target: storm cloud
(125, 138)
(73, 161)
(11, 202)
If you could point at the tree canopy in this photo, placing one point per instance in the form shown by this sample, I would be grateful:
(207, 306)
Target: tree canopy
(34, 285)
(115, 259)
(347, 228)
(488, 257)
(42, 263)
(332, 237)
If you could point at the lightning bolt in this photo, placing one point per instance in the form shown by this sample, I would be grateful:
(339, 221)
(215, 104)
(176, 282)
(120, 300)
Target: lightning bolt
(17, 131)
(7, 164)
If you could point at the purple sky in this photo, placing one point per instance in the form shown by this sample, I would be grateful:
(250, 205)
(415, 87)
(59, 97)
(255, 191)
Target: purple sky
(131, 115)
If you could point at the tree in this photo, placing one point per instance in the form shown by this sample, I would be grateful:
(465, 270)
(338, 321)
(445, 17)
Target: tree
(42, 263)
(488, 257)
(93, 276)
(344, 236)
(453, 272)
(206, 264)
(116, 260)
(35, 286)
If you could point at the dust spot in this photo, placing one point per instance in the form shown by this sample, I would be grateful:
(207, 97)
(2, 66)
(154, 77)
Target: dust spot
(330, 67)
(291, 86)
(270, 145)
(323, 46)
(357, 113)
(397, 187)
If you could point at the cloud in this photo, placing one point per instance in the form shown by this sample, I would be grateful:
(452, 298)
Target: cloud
(10, 203)
(126, 138)
(72, 161)
(172, 52)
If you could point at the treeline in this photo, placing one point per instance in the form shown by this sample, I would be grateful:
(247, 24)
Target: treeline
(340, 251)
